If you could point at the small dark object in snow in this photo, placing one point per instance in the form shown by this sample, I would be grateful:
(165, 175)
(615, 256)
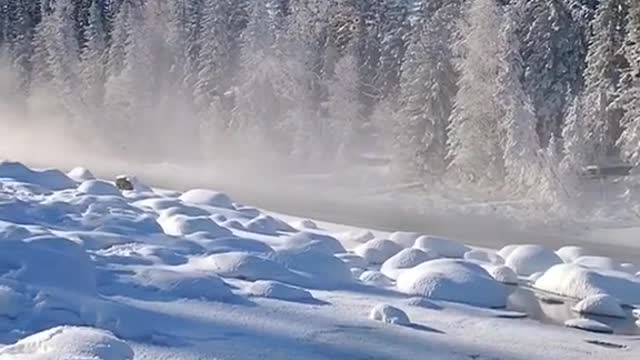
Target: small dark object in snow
(606, 344)
(123, 183)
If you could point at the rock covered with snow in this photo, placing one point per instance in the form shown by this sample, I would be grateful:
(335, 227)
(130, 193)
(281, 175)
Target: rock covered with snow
(453, 280)
(278, 290)
(377, 251)
(600, 304)
(314, 269)
(483, 256)
(310, 241)
(588, 325)
(69, 343)
(304, 224)
(355, 237)
(569, 254)
(80, 174)
(375, 278)
(502, 273)
(441, 246)
(268, 225)
(389, 314)
(528, 259)
(180, 225)
(405, 259)
(580, 282)
(98, 188)
(208, 198)
(598, 262)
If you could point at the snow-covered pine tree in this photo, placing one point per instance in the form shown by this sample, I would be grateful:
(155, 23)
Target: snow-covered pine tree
(475, 143)
(573, 136)
(603, 76)
(93, 55)
(427, 89)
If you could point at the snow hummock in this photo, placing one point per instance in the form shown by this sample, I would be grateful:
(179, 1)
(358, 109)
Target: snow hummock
(600, 304)
(404, 239)
(98, 188)
(507, 250)
(580, 282)
(80, 174)
(529, 259)
(304, 224)
(321, 243)
(268, 225)
(405, 259)
(598, 262)
(389, 314)
(377, 251)
(588, 325)
(208, 198)
(453, 280)
(278, 290)
(244, 266)
(50, 179)
(69, 343)
(179, 225)
(353, 260)
(441, 246)
(569, 254)
(314, 269)
(502, 273)
(375, 278)
(483, 256)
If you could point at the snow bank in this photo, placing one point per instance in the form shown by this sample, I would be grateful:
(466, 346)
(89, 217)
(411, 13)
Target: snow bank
(278, 290)
(179, 225)
(484, 257)
(316, 242)
(569, 254)
(377, 251)
(404, 239)
(598, 262)
(579, 282)
(441, 246)
(389, 314)
(98, 188)
(375, 278)
(49, 179)
(502, 273)
(207, 197)
(601, 304)
(69, 343)
(405, 259)
(528, 259)
(589, 325)
(80, 174)
(453, 280)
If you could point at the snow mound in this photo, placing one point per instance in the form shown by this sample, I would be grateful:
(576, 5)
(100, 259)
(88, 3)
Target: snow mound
(244, 266)
(309, 241)
(389, 314)
(98, 188)
(157, 204)
(453, 280)
(304, 224)
(501, 273)
(179, 225)
(597, 262)
(569, 254)
(207, 197)
(601, 304)
(314, 269)
(69, 343)
(579, 282)
(49, 179)
(80, 174)
(234, 224)
(233, 244)
(589, 325)
(528, 259)
(441, 246)
(353, 260)
(12, 303)
(404, 239)
(190, 211)
(405, 259)
(419, 301)
(507, 250)
(355, 237)
(268, 225)
(483, 257)
(184, 284)
(375, 278)
(377, 251)
(280, 291)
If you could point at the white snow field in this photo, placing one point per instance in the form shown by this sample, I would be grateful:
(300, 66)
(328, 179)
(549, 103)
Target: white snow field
(89, 272)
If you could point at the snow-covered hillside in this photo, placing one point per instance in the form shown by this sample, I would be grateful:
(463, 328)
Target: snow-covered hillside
(91, 272)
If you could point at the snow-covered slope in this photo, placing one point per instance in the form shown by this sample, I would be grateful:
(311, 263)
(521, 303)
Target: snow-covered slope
(91, 272)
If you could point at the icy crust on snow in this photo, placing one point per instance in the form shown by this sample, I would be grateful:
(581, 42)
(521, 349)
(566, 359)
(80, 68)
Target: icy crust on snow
(526, 260)
(601, 304)
(69, 343)
(579, 282)
(453, 280)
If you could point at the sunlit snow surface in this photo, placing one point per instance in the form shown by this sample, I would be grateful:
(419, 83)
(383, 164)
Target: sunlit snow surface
(90, 272)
